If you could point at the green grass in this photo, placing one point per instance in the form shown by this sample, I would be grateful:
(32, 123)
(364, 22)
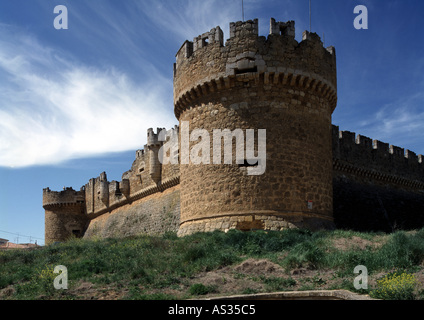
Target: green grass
(201, 289)
(162, 267)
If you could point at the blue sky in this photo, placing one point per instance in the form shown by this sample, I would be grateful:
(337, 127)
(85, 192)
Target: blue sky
(77, 102)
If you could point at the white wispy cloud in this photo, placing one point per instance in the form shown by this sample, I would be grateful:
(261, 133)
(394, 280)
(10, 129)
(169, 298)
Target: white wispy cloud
(60, 104)
(403, 120)
(399, 123)
(186, 19)
(53, 109)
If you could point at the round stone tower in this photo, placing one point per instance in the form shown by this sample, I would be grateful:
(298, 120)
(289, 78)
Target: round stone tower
(64, 214)
(275, 89)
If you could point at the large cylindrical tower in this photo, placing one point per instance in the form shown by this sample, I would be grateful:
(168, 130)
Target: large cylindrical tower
(274, 83)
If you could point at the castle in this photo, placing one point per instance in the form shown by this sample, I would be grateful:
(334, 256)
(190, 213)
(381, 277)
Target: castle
(316, 176)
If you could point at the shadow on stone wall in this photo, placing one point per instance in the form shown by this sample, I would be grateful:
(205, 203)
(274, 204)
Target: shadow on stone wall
(368, 207)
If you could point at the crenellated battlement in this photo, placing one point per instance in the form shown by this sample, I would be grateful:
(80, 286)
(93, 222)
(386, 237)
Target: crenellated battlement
(378, 158)
(215, 36)
(67, 197)
(284, 28)
(238, 30)
(244, 29)
(206, 65)
(153, 138)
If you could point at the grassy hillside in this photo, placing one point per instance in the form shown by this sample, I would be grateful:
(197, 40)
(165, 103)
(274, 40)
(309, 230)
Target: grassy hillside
(216, 264)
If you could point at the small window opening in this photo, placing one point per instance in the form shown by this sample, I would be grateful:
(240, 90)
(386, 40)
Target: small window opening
(249, 70)
(205, 42)
(283, 30)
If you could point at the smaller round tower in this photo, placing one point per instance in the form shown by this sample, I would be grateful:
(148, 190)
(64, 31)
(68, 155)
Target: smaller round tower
(64, 214)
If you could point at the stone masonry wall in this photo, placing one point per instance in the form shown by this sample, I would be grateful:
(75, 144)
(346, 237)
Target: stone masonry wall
(64, 214)
(152, 215)
(62, 223)
(277, 84)
(377, 186)
(102, 196)
(148, 202)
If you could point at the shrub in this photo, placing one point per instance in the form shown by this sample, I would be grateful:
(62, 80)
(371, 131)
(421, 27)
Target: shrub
(200, 289)
(40, 283)
(195, 252)
(395, 286)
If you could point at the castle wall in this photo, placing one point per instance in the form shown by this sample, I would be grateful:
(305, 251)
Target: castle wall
(144, 201)
(377, 186)
(102, 196)
(315, 175)
(154, 214)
